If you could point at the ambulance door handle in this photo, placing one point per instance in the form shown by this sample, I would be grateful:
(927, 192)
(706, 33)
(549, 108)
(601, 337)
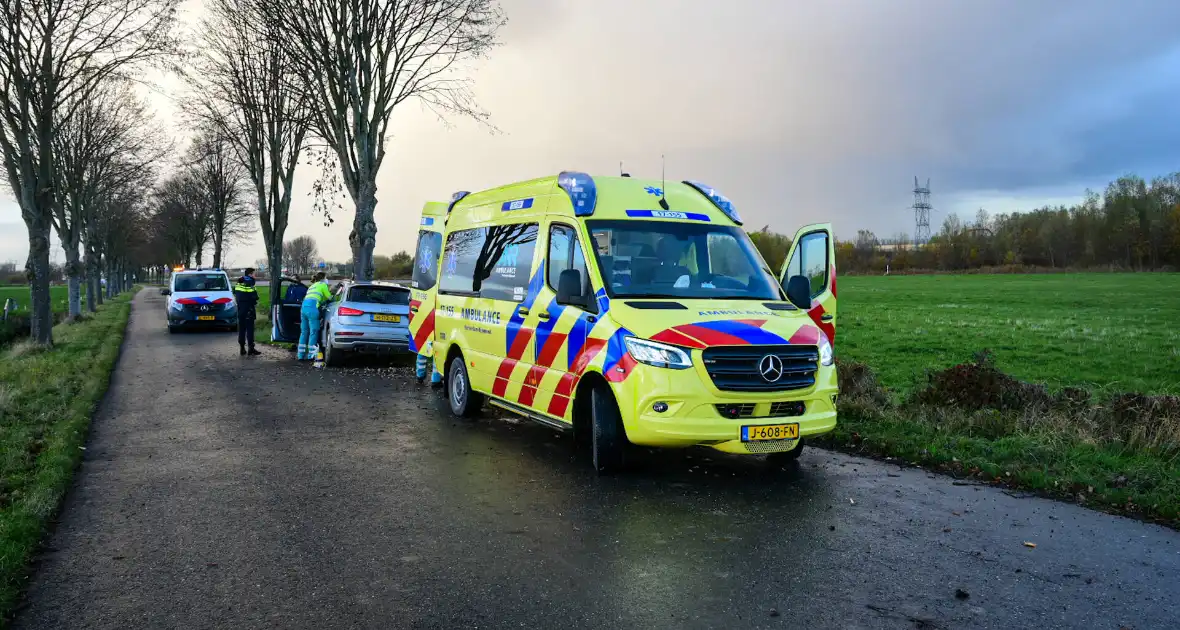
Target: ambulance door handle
(524, 311)
(413, 309)
(827, 318)
(543, 316)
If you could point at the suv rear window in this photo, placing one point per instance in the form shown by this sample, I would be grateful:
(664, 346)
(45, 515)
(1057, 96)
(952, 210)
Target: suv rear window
(200, 282)
(379, 295)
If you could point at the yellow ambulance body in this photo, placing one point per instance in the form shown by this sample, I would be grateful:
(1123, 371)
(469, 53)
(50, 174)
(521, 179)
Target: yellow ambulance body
(634, 311)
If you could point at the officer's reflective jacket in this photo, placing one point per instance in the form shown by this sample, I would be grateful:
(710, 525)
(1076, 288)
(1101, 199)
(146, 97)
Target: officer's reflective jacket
(245, 294)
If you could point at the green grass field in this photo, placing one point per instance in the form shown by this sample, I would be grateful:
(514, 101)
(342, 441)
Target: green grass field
(59, 295)
(1105, 332)
(46, 400)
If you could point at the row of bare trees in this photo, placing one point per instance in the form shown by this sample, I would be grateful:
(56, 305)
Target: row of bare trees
(283, 79)
(74, 155)
(272, 80)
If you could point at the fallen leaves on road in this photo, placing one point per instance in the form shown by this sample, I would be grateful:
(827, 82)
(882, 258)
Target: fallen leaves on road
(1030, 545)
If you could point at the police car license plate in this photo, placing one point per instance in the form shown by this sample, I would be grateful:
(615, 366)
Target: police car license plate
(205, 318)
(393, 319)
(771, 432)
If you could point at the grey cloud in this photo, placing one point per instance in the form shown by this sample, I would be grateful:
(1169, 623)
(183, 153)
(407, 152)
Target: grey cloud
(800, 111)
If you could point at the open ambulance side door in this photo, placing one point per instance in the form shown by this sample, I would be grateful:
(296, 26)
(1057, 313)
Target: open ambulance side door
(812, 260)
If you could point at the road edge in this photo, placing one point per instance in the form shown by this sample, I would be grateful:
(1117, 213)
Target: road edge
(33, 516)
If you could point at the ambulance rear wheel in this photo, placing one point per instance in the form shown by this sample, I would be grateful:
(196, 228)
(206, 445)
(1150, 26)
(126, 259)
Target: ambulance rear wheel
(464, 402)
(607, 437)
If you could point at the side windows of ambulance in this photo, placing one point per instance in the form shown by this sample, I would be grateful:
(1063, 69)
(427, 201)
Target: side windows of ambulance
(566, 259)
(489, 262)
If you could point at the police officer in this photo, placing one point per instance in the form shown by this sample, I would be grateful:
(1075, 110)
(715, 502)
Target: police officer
(318, 295)
(247, 298)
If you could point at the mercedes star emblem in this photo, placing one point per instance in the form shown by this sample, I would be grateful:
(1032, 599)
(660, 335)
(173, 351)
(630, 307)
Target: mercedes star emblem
(204, 307)
(771, 368)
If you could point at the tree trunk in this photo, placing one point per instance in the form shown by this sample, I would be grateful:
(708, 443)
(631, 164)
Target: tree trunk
(275, 264)
(363, 238)
(74, 277)
(37, 270)
(92, 283)
(198, 255)
(217, 252)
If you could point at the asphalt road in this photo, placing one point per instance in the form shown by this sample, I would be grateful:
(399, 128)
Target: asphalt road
(226, 492)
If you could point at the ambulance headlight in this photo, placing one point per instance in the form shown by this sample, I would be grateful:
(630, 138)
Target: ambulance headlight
(176, 306)
(657, 354)
(826, 356)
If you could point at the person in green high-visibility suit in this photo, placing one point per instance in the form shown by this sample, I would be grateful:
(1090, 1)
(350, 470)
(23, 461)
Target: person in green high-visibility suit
(318, 295)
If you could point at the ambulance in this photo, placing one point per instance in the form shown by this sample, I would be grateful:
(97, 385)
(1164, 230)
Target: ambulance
(422, 295)
(633, 311)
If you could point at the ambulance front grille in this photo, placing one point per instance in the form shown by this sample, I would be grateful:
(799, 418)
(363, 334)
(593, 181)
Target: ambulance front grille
(736, 368)
(770, 446)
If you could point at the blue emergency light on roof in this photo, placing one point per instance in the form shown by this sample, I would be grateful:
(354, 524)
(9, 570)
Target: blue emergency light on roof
(580, 187)
(721, 201)
(455, 198)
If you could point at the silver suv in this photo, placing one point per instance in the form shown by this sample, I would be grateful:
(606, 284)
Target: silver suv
(368, 317)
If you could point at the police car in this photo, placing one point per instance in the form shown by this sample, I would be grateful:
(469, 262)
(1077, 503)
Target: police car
(200, 299)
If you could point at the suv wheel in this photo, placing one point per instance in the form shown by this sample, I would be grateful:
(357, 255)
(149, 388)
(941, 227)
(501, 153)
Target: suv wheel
(331, 358)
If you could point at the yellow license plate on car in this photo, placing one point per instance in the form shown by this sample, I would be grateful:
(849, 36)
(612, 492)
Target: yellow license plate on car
(206, 318)
(771, 432)
(377, 317)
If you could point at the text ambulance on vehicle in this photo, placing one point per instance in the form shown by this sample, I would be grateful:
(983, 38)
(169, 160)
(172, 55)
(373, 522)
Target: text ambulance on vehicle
(631, 311)
(422, 295)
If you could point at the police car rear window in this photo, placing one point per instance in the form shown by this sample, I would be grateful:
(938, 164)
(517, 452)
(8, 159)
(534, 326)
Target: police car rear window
(200, 282)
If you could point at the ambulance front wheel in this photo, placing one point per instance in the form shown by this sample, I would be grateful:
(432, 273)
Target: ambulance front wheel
(464, 402)
(607, 437)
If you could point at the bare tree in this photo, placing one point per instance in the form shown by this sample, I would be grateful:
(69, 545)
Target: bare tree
(53, 56)
(182, 217)
(301, 252)
(359, 59)
(242, 91)
(219, 177)
(106, 145)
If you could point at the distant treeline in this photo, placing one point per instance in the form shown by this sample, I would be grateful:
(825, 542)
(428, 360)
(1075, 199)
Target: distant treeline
(1133, 225)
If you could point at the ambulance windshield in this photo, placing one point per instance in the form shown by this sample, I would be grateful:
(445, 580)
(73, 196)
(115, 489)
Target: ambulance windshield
(680, 259)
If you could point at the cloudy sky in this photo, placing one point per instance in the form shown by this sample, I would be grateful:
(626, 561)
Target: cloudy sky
(798, 111)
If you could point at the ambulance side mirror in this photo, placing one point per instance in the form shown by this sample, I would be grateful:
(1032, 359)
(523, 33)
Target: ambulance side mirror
(165, 292)
(569, 288)
(799, 292)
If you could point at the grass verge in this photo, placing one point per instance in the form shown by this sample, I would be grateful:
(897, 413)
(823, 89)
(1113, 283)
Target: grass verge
(47, 397)
(1121, 454)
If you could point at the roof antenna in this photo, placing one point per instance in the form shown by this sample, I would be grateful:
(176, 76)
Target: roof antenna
(623, 173)
(663, 197)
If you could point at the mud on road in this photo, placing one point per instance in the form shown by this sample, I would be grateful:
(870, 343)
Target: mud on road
(221, 491)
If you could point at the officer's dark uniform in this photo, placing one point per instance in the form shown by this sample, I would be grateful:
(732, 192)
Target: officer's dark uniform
(247, 298)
